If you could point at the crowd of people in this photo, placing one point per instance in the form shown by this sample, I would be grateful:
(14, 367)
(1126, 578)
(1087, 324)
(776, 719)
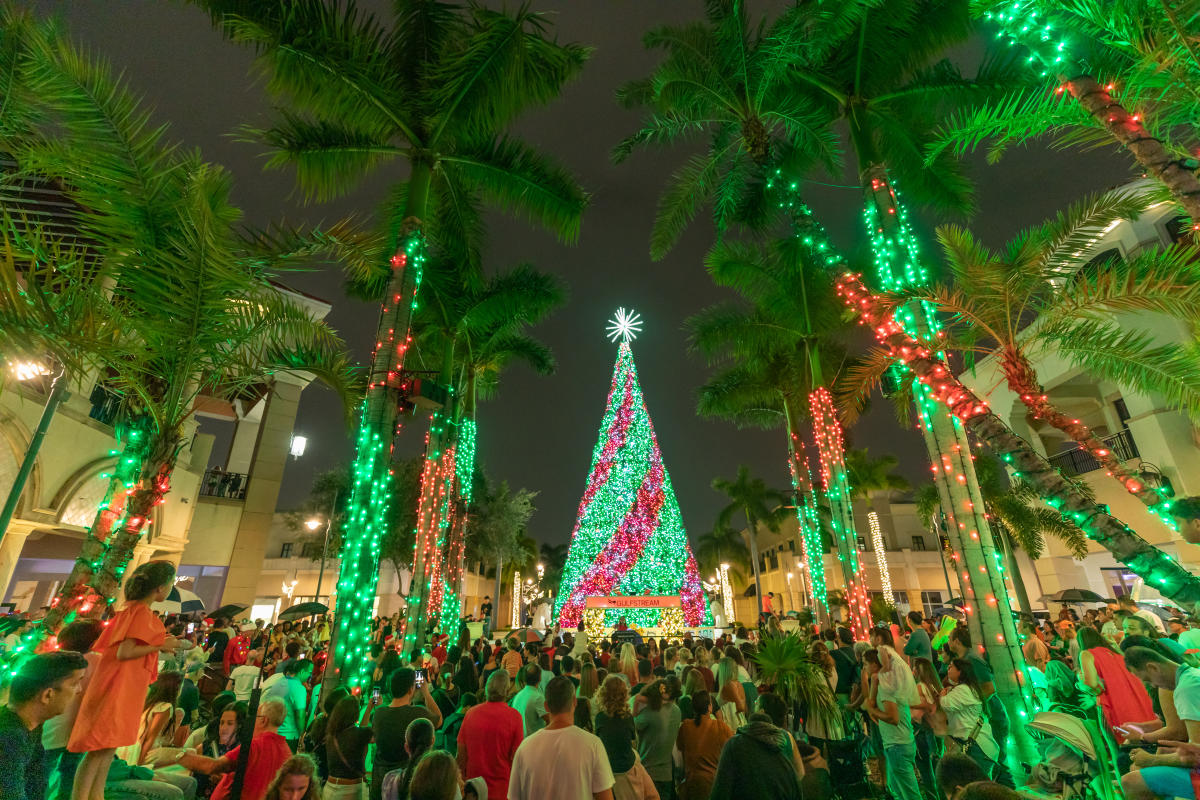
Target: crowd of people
(139, 706)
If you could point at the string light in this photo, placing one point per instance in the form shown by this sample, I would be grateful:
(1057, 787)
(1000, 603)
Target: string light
(516, 600)
(629, 538)
(726, 594)
(885, 577)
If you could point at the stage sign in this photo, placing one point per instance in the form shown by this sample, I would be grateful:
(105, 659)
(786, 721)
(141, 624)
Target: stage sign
(667, 601)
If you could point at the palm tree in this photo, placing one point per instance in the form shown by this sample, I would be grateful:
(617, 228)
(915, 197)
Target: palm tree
(774, 356)
(1123, 72)
(1065, 495)
(498, 520)
(870, 476)
(723, 545)
(185, 294)
(991, 297)
(760, 504)
(436, 90)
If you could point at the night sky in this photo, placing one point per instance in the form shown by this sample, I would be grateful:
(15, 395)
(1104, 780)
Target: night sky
(539, 433)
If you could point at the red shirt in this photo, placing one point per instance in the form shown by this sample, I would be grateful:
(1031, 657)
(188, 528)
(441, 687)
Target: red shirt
(490, 734)
(604, 659)
(268, 751)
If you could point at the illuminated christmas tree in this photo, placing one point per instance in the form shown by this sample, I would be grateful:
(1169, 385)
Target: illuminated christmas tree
(629, 538)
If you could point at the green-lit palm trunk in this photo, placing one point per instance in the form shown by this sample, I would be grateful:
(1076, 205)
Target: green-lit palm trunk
(434, 517)
(807, 513)
(72, 596)
(456, 545)
(976, 557)
(370, 493)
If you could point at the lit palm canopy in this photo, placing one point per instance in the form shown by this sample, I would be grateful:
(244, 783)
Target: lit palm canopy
(729, 81)
(1032, 299)
(786, 338)
(435, 87)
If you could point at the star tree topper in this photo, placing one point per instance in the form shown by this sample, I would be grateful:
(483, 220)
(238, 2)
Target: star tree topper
(626, 325)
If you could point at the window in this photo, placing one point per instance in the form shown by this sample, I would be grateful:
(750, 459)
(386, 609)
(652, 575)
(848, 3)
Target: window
(918, 543)
(862, 543)
(773, 554)
(286, 550)
(930, 602)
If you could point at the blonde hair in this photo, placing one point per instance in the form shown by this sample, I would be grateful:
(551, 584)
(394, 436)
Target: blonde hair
(725, 672)
(435, 777)
(589, 679)
(613, 697)
(703, 657)
(627, 663)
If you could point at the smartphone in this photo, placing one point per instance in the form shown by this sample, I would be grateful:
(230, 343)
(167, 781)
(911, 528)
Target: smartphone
(420, 678)
(191, 626)
(376, 693)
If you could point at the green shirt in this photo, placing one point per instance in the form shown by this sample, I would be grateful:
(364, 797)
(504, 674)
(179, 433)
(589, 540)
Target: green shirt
(894, 734)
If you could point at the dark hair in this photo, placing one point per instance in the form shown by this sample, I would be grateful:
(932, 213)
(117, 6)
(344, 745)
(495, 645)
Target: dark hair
(700, 706)
(560, 692)
(80, 635)
(212, 731)
(568, 664)
(884, 635)
(987, 790)
(435, 777)
(961, 635)
(299, 764)
(845, 637)
(292, 649)
(532, 674)
(149, 578)
(1136, 640)
(402, 681)
(343, 716)
(1186, 507)
(42, 672)
(1139, 657)
(916, 617)
(296, 667)
(1089, 638)
(335, 697)
(583, 714)
(775, 707)
(645, 668)
(966, 676)
(673, 687)
(418, 740)
(653, 693)
(165, 690)
(956, 770)
(467, 700)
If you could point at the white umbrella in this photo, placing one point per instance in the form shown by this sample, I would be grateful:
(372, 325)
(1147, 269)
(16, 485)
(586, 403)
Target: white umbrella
(179, 601)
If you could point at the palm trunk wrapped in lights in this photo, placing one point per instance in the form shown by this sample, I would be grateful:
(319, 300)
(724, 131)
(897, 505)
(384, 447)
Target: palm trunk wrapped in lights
(1157, 568)
(1029, 23)
(456, 546)
(977, 559)
(368, 506)
(828, 433)
(807, 514)
(1023, 380)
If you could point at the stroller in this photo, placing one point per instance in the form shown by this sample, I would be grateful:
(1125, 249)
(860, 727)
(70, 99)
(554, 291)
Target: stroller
(847, 759)
(1078, 758)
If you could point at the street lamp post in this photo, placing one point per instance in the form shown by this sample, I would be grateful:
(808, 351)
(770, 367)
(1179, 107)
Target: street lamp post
(312, 525)
(23, 371)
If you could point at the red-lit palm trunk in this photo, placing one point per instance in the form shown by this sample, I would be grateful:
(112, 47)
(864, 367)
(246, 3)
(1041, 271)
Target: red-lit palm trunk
(1023, 380)
(1158, 569)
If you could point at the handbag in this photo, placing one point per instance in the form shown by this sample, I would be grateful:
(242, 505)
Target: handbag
(964, 745)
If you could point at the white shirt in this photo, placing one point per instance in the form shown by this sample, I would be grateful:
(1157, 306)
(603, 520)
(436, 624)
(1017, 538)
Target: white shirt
(243, 678)
(566, 764)
(964, 710)
(1187, 693)
(1153, 619)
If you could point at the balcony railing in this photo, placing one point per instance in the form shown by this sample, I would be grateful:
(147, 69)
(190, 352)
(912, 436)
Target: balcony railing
(1080, 461)
(219, 483)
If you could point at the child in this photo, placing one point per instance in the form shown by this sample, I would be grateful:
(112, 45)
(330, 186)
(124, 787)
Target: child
(111, 710)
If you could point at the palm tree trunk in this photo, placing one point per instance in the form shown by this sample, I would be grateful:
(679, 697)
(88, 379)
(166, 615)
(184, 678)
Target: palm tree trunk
(499, 588)
(1158, 569)
(1023, 380)
(1128, 130)
(368, 516)
(989, 616)
(73, 593)
(804, 498)
(1014, 572)
(752, 528)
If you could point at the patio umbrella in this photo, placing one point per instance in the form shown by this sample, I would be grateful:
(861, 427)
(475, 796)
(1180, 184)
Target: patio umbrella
(525, 635)
(938, 613)
(229, 611)
(1162, 613)
(1073, 597)
(302, 610)
(179, 601)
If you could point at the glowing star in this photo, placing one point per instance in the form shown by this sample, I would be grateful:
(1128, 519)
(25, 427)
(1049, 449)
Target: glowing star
(626, 325)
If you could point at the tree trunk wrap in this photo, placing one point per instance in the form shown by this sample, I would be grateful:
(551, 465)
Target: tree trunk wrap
(1159, 570)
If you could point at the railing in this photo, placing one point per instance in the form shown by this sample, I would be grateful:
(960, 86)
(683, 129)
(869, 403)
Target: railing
(106, 404)
(219, 483)
(1080, 461)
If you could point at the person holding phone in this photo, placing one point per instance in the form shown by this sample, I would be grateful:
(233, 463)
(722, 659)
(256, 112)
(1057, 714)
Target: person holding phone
(391, 722)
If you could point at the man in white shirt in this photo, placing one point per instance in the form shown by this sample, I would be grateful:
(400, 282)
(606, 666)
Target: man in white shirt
(242, 678)
(1126, 602)
(561, 760)
(530, 702)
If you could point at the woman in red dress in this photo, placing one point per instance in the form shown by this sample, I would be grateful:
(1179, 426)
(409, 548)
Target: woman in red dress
(112, 705)
(1121, 695)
